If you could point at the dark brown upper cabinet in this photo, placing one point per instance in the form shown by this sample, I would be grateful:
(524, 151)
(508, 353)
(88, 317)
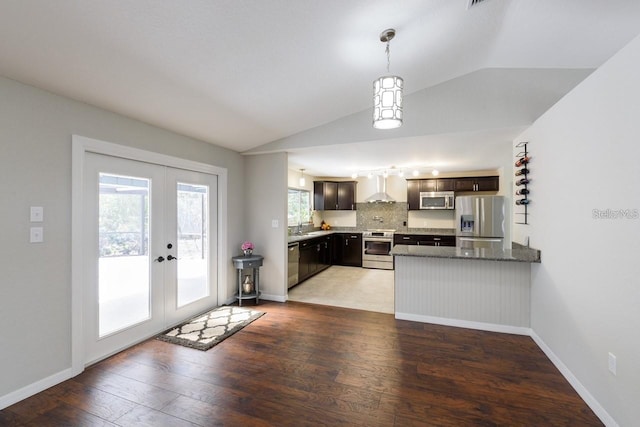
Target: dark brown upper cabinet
(441, 184)
(480, 183)
(332, 195)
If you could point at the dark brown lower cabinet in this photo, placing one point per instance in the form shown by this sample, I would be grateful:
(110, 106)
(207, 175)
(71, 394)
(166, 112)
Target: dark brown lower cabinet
(424, 240)
(347, 249)
(315, 256)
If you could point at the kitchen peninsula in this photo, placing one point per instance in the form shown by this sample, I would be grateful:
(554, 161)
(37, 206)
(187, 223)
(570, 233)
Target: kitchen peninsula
(474, 288)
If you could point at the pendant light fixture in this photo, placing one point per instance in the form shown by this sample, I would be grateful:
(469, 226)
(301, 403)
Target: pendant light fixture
(387, 93)
(302, 181)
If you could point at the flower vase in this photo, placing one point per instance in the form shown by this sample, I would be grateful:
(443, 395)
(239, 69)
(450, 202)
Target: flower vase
(248, 252)
(247, 285)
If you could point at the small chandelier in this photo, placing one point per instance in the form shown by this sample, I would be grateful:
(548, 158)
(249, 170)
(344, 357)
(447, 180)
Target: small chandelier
(387, 93)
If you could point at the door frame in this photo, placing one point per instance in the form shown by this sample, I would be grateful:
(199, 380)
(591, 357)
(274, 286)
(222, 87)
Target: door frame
(81, 145)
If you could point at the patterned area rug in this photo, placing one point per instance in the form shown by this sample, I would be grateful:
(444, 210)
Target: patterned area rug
(208, 329)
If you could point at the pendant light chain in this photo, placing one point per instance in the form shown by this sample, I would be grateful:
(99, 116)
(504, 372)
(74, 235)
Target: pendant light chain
(388, 51)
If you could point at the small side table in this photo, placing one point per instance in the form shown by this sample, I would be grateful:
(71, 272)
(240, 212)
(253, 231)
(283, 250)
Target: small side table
(243, 262)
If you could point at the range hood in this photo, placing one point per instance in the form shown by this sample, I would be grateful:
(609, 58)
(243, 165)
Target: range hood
(380, 196)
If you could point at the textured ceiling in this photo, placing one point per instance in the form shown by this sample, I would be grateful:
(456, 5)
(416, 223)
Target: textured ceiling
(243, 73)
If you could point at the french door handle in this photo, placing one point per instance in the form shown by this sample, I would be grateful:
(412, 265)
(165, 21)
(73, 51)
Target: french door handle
(159, 259)
(171, 257)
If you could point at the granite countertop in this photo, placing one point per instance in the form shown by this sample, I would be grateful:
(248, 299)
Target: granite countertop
(514, 255)
(301, 237)
(319, 233)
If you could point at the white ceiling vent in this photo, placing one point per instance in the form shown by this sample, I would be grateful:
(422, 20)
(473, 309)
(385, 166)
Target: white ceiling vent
(474, 3)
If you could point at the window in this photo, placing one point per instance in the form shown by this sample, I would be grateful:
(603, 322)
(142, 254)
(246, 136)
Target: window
(299, 211)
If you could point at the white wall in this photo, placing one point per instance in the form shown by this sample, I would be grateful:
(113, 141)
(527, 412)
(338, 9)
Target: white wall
(586, 292)
(266, 201)
(35, 170)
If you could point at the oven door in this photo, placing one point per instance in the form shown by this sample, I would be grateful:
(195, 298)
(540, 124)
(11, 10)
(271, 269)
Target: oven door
(376, 253)
(375, 247)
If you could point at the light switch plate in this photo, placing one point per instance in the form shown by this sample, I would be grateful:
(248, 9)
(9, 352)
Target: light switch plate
(36, 235)
(37, 214)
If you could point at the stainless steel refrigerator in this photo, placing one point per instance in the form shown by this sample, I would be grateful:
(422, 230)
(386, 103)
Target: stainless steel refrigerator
(480, 221)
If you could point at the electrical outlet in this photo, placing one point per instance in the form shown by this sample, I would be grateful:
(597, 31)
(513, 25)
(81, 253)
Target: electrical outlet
(612, 363)
(275, 223)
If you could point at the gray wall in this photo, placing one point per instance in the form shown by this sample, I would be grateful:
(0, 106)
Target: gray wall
(266, 201)
(35, 170)
(586, 292)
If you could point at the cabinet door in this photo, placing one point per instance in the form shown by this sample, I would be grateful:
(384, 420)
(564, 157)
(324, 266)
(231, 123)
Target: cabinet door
(448, 241)
(488, 183)
(326, 250)
(429, 185)
(404, 239)
(337, 244)
(325, 195)
(306, 260)
(465, 184)
(346, 196)
(352, 254)
(446, 184)
(413, 194)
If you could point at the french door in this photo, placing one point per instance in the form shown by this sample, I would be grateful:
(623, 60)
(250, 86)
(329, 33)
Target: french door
(150, 238)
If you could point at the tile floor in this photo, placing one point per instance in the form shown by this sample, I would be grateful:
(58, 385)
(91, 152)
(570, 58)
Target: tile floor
(349, 287)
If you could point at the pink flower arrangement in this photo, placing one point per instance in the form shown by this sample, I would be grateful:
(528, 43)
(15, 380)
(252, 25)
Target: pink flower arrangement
(247, 246)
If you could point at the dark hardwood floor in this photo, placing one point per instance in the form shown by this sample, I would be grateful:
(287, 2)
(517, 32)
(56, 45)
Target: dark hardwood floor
(309, 365)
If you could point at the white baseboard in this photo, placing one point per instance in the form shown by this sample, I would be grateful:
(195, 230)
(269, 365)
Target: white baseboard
(491, 327)
(276, 298)
(575, 383)
(37, 387)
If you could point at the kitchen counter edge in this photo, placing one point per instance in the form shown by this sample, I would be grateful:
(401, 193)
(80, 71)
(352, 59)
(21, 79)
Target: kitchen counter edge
(427, 231)
(510, 255)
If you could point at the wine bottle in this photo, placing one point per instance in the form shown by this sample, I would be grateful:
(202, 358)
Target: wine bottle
(522, 192)
(523, 181)
(522, 202)
(522, 161)
(522, 171)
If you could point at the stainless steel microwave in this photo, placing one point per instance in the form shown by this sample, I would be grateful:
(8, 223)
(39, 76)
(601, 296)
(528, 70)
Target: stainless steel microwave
(437, 200)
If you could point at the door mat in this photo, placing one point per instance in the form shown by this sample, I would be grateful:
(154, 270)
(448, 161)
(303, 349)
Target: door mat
(208, 329)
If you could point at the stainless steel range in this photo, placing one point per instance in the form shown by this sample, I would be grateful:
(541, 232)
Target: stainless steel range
(376, 248)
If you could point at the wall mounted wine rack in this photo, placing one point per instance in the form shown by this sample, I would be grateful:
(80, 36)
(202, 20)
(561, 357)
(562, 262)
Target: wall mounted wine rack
(522, 182)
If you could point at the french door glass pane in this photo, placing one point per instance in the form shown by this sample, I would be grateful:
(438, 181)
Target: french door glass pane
(123, 270)
(193, 234)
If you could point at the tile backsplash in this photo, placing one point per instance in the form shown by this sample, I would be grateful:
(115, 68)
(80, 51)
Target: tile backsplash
(393, 216)
(382, 215)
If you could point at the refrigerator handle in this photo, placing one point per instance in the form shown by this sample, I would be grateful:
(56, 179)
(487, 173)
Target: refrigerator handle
(482, 213)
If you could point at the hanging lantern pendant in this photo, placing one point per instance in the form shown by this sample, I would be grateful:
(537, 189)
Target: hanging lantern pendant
(387, 93)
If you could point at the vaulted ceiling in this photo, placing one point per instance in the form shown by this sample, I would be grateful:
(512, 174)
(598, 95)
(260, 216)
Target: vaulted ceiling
(296, 75)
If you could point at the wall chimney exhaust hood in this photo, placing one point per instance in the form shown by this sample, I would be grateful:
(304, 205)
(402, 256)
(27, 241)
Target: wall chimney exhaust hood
(380, 196)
